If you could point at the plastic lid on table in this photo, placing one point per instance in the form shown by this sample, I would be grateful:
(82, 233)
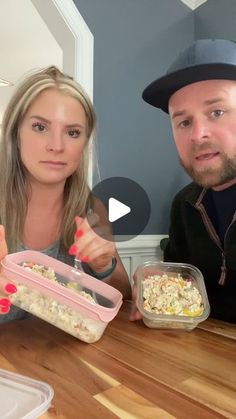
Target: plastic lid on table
(22, 397)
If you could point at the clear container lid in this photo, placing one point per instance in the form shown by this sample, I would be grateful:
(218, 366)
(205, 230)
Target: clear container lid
(22, 397)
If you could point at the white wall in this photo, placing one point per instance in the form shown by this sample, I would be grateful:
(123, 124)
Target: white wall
(26, 44)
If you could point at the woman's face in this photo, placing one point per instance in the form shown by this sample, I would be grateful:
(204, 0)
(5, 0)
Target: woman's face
(52, 137)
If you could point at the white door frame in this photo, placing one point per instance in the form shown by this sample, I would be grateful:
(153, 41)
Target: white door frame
(75, 39)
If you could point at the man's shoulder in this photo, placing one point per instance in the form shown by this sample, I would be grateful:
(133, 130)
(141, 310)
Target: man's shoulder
(190, 192)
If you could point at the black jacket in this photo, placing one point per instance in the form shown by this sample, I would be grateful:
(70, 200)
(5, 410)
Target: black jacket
(193, 239)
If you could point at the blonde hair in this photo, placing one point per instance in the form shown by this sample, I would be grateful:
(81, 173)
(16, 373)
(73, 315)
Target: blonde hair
(13, 194)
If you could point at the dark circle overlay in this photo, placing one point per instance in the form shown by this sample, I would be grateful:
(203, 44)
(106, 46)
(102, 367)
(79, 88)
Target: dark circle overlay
(129, 193)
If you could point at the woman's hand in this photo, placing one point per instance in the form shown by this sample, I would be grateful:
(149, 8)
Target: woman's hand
(6, 287)
(135, 314)
(93, 244)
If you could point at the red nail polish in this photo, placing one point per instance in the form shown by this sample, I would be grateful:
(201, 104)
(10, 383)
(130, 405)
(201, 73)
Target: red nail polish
(5, 302)
(79, 233)
(85, 259)
(5, 309)
(11, 288)
(72, 250)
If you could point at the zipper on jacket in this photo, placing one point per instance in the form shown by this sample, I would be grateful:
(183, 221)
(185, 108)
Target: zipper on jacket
(214, 237)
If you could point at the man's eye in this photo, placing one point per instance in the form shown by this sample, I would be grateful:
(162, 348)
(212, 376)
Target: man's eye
(217, 113)
(38, 127)
(184, 124)
(74, 133)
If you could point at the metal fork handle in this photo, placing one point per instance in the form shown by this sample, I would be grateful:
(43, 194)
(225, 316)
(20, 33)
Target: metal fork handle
(78, 264)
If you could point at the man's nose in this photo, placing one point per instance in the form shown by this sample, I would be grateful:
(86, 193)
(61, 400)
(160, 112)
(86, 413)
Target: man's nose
(200, 130)
(55, 141)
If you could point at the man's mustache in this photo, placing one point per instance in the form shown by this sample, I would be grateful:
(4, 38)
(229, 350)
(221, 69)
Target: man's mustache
(206, 146)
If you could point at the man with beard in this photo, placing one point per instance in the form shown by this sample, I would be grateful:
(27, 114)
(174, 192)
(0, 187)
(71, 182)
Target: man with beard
(199, 93)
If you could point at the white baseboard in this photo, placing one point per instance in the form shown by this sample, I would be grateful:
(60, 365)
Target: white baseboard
(138, 250)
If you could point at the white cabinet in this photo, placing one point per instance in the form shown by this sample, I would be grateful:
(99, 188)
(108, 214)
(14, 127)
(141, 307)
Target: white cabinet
(139, 250)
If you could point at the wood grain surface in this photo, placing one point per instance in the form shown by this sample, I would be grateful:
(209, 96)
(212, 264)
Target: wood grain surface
(132, 372)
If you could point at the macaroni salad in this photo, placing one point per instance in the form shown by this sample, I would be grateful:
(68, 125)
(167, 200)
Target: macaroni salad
(165, 294)
(59, 314)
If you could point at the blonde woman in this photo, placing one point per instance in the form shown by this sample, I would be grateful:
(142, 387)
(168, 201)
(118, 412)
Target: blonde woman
(44, 193)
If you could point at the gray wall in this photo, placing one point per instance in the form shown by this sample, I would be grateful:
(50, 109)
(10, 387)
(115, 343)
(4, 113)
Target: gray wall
(216, 19)
(134, 43)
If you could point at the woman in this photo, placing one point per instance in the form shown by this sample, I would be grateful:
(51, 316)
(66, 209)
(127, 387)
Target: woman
(45, 198)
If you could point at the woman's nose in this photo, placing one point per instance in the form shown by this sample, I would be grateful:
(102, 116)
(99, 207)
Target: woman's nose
(55, 141)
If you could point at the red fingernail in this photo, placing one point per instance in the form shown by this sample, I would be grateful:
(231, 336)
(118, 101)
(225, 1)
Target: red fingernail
(11, 288)
(5, 309)
(72, 250)
(85, 259)
(79, 233)
(5, 302)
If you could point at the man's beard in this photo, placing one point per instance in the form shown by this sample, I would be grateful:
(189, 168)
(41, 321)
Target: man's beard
(210, 177)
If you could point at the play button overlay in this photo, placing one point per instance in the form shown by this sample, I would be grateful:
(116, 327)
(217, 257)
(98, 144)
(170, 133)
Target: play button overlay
(127, 205)
(116, 209)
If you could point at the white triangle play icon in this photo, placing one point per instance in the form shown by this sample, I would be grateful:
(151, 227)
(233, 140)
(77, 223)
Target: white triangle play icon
(117, 209)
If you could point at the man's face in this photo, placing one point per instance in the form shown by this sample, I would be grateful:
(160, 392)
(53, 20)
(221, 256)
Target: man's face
(203, 119)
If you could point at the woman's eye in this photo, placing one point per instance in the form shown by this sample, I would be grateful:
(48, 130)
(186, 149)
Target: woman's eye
(39, 127)
(74, 133)
(217, 113)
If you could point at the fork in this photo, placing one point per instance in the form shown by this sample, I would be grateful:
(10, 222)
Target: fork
(78, 264)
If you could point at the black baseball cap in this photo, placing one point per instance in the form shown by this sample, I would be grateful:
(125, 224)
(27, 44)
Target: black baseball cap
(205, 59)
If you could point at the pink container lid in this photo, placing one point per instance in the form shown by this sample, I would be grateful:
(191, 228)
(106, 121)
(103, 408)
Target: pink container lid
(12, 269)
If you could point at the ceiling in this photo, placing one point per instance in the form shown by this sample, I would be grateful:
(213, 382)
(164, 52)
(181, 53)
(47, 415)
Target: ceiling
(26, 44)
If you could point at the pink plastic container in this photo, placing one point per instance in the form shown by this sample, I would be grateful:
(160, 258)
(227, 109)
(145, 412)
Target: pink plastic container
(59, 301)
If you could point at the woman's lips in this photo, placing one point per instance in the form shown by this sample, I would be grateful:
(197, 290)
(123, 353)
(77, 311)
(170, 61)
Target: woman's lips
(56, 164)
(53, 162)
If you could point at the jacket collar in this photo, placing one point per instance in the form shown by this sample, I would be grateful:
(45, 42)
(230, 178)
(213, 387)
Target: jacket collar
(195, 195)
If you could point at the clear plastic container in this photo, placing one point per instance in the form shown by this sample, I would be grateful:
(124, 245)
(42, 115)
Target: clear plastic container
(59, 301)
(171, 321)
(22, 397)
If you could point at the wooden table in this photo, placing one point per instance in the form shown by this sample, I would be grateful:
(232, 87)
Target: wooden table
(132, 372)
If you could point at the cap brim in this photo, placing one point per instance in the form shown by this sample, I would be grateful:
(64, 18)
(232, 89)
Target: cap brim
(159, 91)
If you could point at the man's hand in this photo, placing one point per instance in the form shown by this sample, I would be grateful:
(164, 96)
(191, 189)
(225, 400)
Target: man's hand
(135, 314)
